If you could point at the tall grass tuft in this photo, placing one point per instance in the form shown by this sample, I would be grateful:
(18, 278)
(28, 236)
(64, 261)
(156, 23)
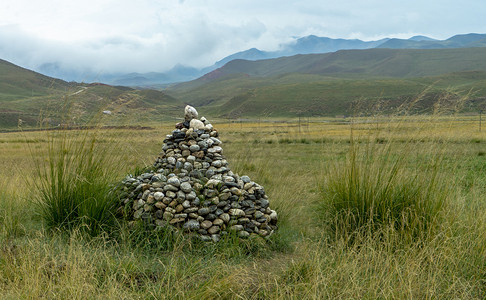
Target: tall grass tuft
(379, 190)
(11, 216)
(73, 185)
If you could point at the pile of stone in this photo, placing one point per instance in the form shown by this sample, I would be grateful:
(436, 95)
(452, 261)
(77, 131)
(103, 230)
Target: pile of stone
(193, 189)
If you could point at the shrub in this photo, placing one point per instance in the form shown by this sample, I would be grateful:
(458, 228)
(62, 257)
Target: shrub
(374, 191)
(74, 184)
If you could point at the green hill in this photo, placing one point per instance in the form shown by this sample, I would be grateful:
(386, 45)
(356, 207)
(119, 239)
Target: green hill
(330, 84)
(370, 62)
(17, 82)
(35, 98)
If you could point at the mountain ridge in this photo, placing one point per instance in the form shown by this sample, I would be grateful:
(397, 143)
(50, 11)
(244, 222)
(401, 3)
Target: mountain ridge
(304, 45)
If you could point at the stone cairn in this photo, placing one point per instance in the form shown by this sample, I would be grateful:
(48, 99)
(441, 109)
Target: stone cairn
(192, 188)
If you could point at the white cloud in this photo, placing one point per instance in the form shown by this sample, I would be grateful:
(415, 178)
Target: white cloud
(154, 35)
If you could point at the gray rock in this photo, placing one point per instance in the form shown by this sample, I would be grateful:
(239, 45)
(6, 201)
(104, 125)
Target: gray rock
(203, 211)
(264, 203)
(215, 149)
(181, 195)
(245, 179)
(186, 187)
(191, 225)
(243, 233)
(191, 196)
(236, 227)
(158, 196)
(171, 160)
(215, 237)
(194, 148)
(202, 144)
(188, 166)
(205, 238)
(174, 181)
(158, 177)
(170, 187)
(258, 214)
(217, 163)
(170, 194)
(216, 141)
(237, 212)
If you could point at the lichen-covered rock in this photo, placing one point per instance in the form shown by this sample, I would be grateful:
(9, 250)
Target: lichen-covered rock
(191, 187)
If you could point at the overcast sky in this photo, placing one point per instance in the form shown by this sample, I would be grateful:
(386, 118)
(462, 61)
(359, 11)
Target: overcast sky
(149, 35)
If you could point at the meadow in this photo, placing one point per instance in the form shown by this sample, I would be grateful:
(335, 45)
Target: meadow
(320, 251)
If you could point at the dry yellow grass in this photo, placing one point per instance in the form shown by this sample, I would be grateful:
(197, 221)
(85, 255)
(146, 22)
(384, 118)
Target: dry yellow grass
(290, 161)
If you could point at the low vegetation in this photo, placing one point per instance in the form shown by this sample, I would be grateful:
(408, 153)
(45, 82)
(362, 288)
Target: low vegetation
(373, 208)
(75, 186)
(373, 191)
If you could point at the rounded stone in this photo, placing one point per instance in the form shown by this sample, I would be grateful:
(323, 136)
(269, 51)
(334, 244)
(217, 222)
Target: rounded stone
(168, 216)
(203, 211)
(217, 163)
(186, 187)
(258, 214)
(206, 224)
(158, 196)
(215, 149)
(237, 212)
(174, 181)
(194, 148)
(190, 113)
(218, 222)
(171, 160)
(215, 237)
(245, 179)
(225, 217)
(170, 187)
(191, 225)
(191, 196)
(188, 166)
(243, 234)
(196, 124)
(213, 229)
(236, 227)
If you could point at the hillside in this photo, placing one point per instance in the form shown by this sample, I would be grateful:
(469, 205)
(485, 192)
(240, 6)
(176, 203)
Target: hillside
(329, 84)
(370, 62)
(17, 82)
(35, 98)
(310, 44)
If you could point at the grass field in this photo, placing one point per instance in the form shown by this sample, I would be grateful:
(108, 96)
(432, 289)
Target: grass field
(296, 161)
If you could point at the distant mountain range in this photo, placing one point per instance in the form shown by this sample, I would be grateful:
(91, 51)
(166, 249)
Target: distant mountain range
(329, 83)
(306, 45)
(322, 84)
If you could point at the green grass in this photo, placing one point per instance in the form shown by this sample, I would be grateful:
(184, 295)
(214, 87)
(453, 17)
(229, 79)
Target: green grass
(11, 217)
(374, 190)
(75, 185)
